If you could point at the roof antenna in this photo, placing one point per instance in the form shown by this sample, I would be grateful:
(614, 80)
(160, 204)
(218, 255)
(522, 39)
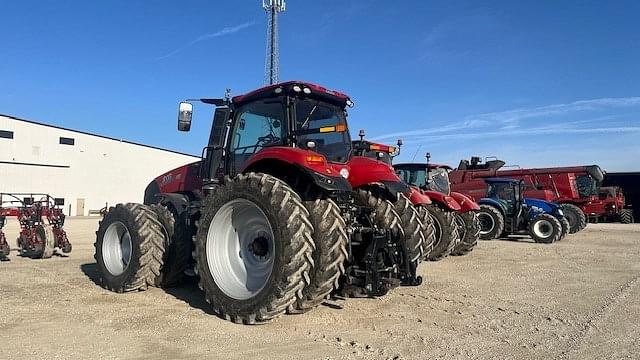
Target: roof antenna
(416, 153)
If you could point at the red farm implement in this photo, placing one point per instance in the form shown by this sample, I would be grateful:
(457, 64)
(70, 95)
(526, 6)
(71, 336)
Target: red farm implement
(38, 239)
(575, 188)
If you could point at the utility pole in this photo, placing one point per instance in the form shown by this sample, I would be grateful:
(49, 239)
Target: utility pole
(272, 61)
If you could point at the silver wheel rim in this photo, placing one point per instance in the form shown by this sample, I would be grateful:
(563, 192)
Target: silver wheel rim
(116, 248)
(240, 249)
(486, 223)
(543, 229)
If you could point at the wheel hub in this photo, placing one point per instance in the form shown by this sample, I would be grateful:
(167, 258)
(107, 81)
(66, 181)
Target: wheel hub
(116, 248)
(543, 229)
(240, 247)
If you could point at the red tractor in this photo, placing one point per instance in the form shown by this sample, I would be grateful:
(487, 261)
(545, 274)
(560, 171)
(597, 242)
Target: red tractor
(455, 214)
(574, 188)
(37, 239)
(274, 218)
(610, 206)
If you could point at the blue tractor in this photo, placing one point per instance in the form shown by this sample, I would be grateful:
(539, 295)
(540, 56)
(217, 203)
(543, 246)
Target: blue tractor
(505, 211)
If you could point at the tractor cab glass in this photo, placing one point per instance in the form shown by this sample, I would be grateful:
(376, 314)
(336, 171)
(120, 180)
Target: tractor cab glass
(257, 125)
(415, 177)
(378, 155)
(321, 127)
(438, 180)
(506, 193)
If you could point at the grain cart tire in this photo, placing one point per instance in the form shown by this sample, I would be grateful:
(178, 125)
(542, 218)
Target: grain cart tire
(413, 228)
(177, 253)
(428, 229)
(565, 227)
(491, 222)
(446, 233)
(253, 248)
(626, 216)
(545, 229)
(130, 247)
(468, 231)
(576, 217)
(329, 255)
(386, 217)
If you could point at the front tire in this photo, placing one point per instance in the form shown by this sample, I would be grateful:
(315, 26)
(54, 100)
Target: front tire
(253, 248)
(130, 246)
(575, 215)
(446, 233)
(491, 222)
(468, 231)
(179, 248)
(545, 229)
(413, 228)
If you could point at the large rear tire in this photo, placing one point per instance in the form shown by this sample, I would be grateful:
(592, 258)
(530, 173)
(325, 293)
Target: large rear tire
(491, 222)
(413, 228)
(178, 251)
(4, 246)
(626, 216)
(468, 231)
(329, 254)
(428, 229)
(253, 248)
(545, 229)
(130, 246)
(446, 232)
(565, 227)
(575, 215)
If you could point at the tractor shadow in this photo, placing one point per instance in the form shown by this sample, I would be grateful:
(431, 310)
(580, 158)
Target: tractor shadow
(90, 270)
(188, 291)
(524, 239)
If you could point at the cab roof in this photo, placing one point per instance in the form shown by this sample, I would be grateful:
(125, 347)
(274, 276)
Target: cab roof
(422, 166)
(288, 87)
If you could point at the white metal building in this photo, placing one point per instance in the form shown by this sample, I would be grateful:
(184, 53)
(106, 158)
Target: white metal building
(87, 170)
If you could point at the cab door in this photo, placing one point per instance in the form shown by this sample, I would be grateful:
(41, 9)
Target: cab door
(255, 126)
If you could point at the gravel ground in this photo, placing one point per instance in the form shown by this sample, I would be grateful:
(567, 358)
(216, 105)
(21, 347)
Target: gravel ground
(508, 299)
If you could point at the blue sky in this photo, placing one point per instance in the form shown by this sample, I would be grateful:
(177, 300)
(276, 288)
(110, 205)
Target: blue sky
(535, 83)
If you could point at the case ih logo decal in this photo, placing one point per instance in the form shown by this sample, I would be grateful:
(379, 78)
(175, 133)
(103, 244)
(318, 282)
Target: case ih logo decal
(166, 179)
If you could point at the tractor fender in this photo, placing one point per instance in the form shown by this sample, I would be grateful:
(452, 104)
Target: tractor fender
(466, 204)
(492, 202)
(327, 178)
(443, 200)
(544, 206)
(305, 159)
(365, 171)
(417, 197)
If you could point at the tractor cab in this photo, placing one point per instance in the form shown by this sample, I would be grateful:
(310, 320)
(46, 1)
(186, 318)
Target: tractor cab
(380, 152)
(430, 177)
(293, 114)
(507, 192)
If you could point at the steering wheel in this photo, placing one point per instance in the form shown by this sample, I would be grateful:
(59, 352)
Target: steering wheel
(267, 139)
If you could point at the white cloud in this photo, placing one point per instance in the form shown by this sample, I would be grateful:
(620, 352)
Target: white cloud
(225, 31)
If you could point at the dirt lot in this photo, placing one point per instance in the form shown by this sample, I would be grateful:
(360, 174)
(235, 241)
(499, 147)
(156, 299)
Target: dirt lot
(508, 299)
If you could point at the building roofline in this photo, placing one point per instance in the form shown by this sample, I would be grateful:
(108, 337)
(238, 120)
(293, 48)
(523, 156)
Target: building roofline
(96, 135)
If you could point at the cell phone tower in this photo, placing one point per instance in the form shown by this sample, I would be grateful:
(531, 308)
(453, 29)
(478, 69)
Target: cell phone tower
(272, 62)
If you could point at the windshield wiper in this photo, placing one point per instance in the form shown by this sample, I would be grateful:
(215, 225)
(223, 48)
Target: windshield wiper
(306, 121)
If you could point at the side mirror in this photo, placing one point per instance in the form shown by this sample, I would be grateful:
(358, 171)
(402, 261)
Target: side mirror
(28, 201)
(185, 112)
(58, 201)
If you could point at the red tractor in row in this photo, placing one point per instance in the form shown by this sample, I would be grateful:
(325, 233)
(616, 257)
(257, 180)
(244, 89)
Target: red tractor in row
(574, 188)
(38, 239)
(611, 206)
(453, 215)
(277, 215)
